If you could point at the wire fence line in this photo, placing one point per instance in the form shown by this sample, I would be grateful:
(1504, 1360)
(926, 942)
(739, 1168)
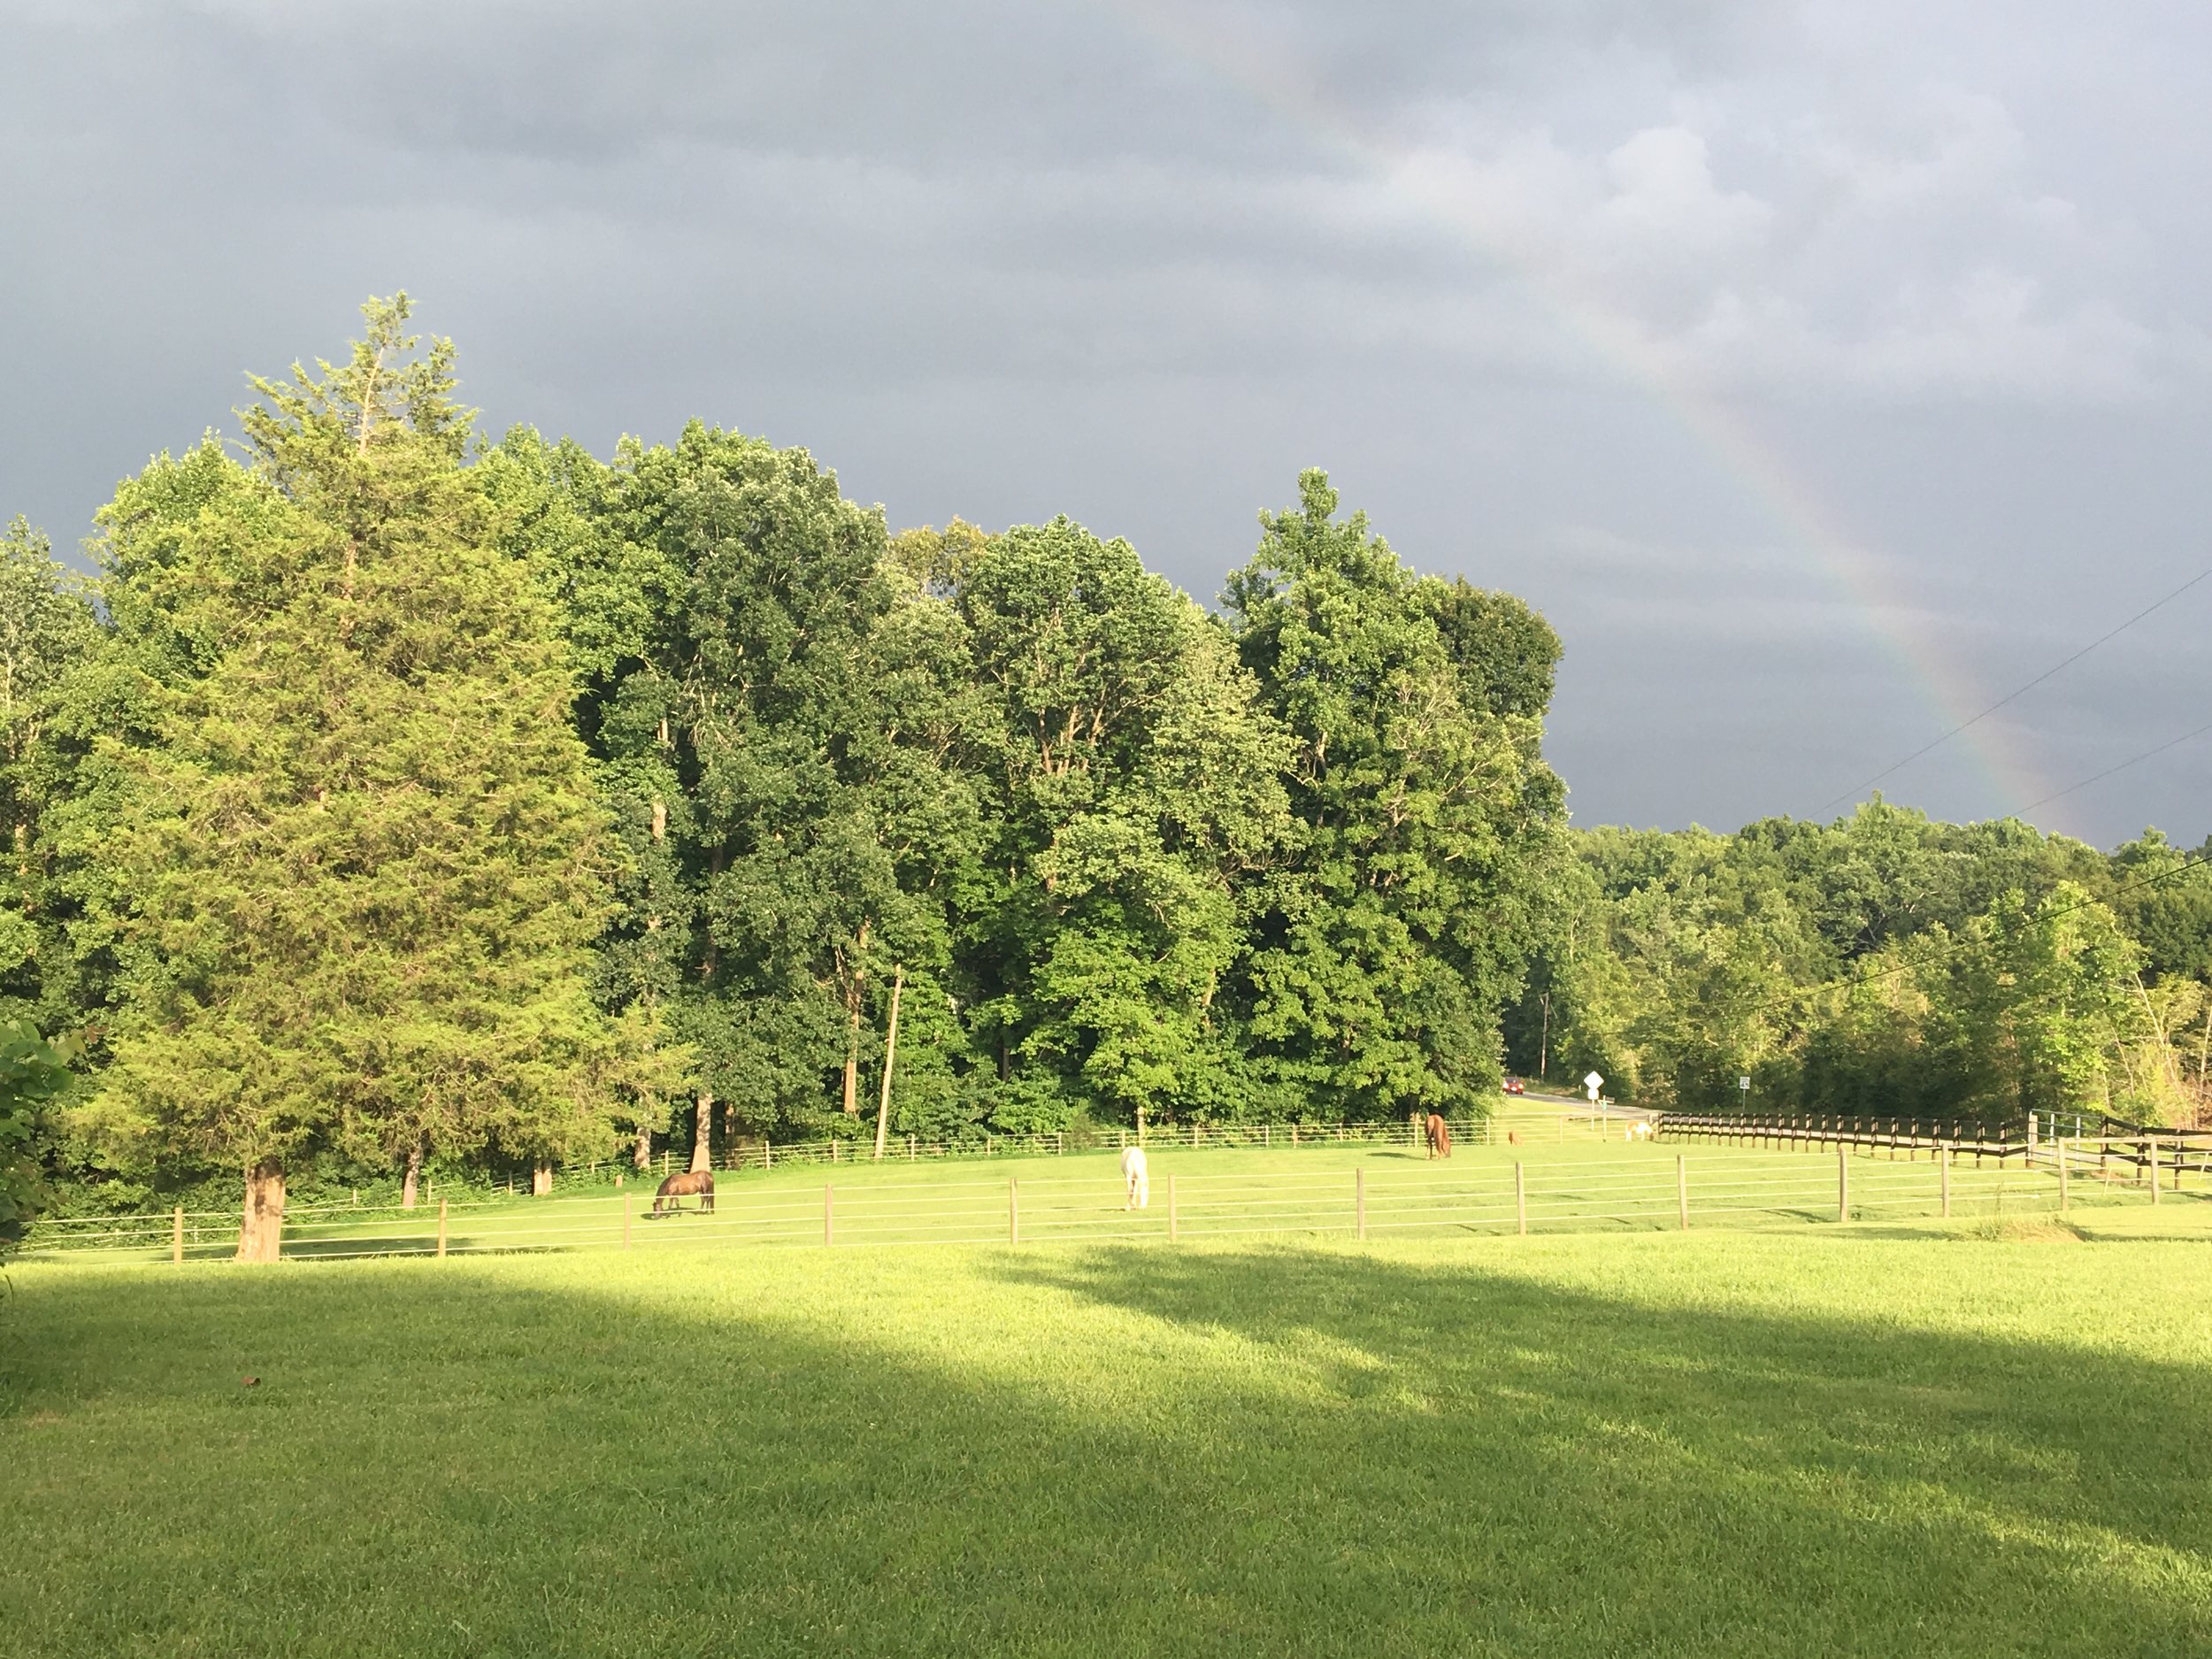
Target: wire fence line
(201, 1228)
(1642, 1190)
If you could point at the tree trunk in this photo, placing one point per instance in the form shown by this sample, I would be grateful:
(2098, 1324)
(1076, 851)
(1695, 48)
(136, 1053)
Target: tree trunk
(854, 984)
(541, 1181)
(411, 1183)
(890, 1057)
(702, 1134)
(261, 1231)
(643, 1153)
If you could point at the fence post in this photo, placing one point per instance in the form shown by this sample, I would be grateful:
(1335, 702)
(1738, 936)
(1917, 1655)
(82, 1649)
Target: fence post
(176, 1237)
(829, 1215)
(1843, 1182)
(441, 1204)
(1682, 1191)
(1943, 1162)
(1359, 1202)
(1174, 1229)
(2063, 1202)
(1520, 1196)
(2150, 1162)
(1013, 1210)
(910, 1149)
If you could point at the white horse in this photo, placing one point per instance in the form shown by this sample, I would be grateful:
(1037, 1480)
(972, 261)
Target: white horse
(1137, 1178)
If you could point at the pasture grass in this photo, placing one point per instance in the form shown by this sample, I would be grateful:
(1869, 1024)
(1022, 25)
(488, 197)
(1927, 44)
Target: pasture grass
(1223, 1192)
(1882, 1438)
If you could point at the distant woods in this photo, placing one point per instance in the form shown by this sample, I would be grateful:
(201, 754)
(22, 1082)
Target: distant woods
(394, 800)
(1881, 966)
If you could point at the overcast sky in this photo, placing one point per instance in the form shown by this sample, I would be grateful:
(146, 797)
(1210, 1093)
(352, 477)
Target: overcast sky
(1823, 369)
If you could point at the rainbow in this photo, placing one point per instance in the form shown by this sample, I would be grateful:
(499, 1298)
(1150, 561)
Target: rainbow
(1618, 346)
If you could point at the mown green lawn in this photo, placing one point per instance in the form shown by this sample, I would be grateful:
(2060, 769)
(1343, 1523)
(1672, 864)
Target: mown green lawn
(1869, 1440)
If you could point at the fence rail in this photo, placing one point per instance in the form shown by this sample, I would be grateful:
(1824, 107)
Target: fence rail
(1638, 1190)
(2166, 1154)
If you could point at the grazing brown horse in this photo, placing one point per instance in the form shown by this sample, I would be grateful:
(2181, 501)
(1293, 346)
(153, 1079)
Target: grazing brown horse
(684, 1183)
(1439, 1137)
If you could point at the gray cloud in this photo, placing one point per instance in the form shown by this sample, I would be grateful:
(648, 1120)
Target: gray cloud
(1140, 261)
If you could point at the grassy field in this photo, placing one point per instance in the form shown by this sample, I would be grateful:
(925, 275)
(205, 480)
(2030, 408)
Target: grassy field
(1211, 1193)
(1878, 1438)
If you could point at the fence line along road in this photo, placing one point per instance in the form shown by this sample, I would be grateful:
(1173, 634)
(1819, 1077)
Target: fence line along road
(1636, 1190)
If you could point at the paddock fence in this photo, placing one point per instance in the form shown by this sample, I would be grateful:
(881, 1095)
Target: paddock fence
(1635, 1190)
(1510, 1124)
(2113, 1150)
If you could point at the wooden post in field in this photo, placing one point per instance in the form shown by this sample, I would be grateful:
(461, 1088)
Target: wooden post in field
(441, 1204)
(626, 1222)
(1520, 1196)
(1013, 1210)
(1943, 1182)
(1682, 1191)
(1843, 1183)
(2063, 1198)
(1359, 1202)
(1174, 1228)
(2151, 1162)
(829, 1215)
(176, 1237)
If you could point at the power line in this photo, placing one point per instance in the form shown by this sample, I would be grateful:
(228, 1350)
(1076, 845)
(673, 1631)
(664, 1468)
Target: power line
(2171, 743)
(1858, 789)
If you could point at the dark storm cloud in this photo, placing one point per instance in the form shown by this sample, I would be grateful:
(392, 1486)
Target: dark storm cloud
(1141, 262)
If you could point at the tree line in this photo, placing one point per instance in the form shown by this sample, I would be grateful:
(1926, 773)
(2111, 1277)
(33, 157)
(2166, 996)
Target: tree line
(1882, 965)
(396, 800)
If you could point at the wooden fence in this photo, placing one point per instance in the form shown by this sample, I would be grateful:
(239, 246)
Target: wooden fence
(2157, 1157)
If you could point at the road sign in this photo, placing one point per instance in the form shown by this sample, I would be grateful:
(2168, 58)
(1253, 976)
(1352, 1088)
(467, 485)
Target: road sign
(1593, 1083)
(1744, 1083)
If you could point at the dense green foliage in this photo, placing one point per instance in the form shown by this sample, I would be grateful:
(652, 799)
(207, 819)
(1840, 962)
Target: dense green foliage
(1772, 1447)
(1881, 966)
(32, 1073)
(395, 799)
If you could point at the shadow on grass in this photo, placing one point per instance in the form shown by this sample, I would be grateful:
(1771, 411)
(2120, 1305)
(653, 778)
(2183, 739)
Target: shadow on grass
(1105, 1451)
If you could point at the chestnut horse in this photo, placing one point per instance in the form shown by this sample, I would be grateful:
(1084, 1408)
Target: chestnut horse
(1439, 1137)
(684, 1183)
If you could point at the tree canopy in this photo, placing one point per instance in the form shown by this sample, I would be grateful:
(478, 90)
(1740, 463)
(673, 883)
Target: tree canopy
(394, 800)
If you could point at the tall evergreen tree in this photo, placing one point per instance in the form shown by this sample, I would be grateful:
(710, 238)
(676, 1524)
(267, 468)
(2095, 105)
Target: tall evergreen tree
(355, 880)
